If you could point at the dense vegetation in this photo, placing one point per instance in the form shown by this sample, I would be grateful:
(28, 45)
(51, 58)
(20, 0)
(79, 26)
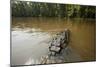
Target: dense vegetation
(38, 9)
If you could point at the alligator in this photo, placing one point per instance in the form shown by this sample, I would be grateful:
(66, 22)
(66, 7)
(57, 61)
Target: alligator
(59, 42)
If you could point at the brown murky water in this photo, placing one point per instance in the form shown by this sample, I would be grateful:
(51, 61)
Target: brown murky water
(31, 36)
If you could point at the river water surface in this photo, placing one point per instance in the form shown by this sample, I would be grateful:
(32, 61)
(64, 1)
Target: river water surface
(31, 38)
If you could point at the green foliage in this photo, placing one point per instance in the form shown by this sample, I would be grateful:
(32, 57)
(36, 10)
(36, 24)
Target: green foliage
(37, 9)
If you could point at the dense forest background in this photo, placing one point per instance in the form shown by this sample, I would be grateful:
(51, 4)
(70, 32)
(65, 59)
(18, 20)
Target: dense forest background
(39, 9)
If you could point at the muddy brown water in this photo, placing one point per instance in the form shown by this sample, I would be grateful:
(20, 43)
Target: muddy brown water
(31, 37)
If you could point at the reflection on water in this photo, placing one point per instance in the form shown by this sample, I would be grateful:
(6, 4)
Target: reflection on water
(31, 36)
(27, 46)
